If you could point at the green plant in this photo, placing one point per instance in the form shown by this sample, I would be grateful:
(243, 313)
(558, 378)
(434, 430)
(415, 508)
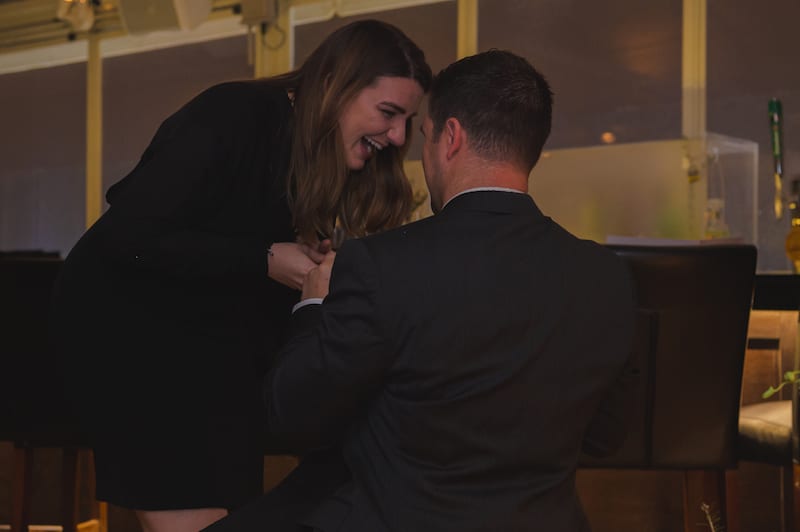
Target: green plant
(790, 377)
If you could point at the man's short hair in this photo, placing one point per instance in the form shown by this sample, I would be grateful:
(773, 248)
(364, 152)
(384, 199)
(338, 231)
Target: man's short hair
(501, 101)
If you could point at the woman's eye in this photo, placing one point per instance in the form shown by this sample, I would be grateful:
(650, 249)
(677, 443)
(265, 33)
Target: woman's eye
(387, 113)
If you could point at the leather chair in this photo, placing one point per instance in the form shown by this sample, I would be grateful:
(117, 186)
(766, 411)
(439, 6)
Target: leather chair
(693, 305)
(33, 412)
(768, 435)
(768, 427)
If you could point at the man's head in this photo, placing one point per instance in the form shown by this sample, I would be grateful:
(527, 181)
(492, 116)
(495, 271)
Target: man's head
(502, 105)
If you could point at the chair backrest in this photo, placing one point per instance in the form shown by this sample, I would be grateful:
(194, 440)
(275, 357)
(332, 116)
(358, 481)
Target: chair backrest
(33, 411)
(693, 305)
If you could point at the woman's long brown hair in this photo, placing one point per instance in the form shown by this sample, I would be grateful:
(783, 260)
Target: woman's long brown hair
(321, 188)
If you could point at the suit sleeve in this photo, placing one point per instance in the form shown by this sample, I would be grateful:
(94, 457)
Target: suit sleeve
(609, 426)
(326, 373)
(159, 213)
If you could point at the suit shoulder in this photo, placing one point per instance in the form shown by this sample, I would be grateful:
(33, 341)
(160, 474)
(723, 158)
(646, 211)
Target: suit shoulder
(602, 253)
(587, 248)
(593, 260)
(395, 249)
(399, 234)
(609, 269)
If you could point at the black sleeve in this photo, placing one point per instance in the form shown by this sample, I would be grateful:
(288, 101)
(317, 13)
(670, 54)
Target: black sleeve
(608, 428)
(327, 372)
(159, 211)
(630, 336)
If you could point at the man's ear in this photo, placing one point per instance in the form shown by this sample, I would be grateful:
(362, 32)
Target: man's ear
(454, 134)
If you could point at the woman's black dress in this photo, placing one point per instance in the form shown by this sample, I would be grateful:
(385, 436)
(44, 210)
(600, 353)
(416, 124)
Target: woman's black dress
(164, 317)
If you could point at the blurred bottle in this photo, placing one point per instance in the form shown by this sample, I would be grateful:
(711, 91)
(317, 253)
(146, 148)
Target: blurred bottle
(715, 225)
(793, 238)
(775, 111)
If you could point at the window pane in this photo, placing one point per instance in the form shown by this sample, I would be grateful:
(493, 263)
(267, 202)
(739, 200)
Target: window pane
(613, 65)
(43, 153)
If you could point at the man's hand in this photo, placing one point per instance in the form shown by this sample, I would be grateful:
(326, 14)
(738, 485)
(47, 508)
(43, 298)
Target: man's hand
(316, 250)
(317, 281)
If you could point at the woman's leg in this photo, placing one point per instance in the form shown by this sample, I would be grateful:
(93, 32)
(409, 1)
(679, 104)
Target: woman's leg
(179, 520)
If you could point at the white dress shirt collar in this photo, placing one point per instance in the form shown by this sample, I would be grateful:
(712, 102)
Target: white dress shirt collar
(483, 189)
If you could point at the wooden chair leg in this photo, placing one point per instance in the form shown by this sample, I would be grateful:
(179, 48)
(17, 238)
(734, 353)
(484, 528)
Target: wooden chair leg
(22, 490)
(103, 516)
(70, 489)
(792, 497)
(98, 518)
(732, 499)
(91, 491)
(71, 481)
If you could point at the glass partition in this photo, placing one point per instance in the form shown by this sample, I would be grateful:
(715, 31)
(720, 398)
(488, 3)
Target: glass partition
(656, 189)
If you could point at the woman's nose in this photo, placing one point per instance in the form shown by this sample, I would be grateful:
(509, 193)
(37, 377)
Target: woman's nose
(397, 135)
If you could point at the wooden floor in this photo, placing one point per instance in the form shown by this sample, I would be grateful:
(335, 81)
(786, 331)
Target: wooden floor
(615, 501)
(652, 501)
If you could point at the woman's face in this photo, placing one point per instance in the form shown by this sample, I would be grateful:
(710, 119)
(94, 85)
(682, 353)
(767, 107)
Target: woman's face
(376, 118)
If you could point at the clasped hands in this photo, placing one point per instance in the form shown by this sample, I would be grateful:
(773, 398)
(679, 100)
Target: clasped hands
(302, 266)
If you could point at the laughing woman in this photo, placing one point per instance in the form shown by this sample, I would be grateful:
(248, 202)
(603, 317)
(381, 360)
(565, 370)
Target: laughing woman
(168, 307)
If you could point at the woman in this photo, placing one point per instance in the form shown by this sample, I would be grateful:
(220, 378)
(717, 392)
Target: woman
(169, 306)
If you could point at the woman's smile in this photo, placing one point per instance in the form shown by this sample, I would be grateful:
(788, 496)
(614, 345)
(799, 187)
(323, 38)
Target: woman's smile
(377, 118)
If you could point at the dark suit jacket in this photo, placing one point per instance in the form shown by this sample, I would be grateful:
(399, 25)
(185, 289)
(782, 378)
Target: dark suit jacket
(458, 361)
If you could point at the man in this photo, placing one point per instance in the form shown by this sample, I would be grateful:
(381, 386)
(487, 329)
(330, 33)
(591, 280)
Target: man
(458, 361)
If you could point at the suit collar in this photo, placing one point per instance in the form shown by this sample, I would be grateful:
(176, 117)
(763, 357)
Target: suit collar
(493, 201)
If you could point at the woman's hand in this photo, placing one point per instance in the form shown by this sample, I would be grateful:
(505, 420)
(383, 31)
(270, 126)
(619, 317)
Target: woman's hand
(288, 263)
